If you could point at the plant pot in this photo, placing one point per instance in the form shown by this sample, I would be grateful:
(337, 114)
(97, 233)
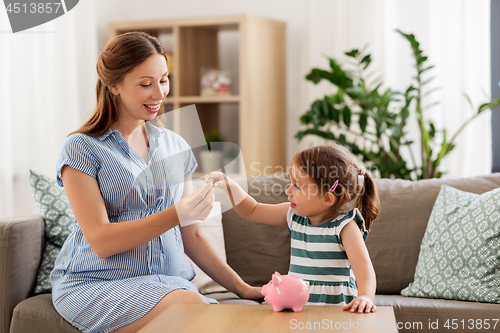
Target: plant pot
(210, 160)
(231, 165)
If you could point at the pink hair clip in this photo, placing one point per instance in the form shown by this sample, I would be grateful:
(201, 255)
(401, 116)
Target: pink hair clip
(362, 172)
(334, 186)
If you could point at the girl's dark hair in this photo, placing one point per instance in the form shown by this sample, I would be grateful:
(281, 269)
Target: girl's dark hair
(121, 55)
(328, 163)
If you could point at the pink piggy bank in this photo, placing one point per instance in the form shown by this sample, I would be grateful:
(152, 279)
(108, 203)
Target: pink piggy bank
(286, 292)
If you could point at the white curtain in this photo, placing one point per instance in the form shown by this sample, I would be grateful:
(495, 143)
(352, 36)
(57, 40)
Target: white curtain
(46, 90)
(454, 34)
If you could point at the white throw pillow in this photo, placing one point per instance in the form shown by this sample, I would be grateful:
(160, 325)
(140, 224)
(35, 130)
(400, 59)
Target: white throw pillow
(212, 229)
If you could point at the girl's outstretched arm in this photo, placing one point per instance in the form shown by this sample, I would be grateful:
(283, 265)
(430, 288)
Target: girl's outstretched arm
(362, 267)
(246, 206)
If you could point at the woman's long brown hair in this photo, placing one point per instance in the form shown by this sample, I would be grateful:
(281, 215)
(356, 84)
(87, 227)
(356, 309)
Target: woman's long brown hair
(121, 54)
(328, 163)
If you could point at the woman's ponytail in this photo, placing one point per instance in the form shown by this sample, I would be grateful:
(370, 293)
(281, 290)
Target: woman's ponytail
(104, 114)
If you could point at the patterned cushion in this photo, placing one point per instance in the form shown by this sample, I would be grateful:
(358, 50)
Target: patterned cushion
(459, 253)
(54, 207)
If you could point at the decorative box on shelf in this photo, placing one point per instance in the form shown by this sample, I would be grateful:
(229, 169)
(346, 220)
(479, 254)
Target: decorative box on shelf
(215, 82)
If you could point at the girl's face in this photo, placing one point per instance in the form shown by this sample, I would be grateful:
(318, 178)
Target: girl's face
(305, 197)
(143, 90)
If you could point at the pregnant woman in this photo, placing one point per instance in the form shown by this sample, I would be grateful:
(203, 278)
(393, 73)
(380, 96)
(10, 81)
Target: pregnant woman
(129, 186)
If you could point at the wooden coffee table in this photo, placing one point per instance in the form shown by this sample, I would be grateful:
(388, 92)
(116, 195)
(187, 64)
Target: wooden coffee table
(231, 318)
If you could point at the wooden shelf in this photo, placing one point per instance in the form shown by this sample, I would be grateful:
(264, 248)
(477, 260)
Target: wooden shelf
(254, 117)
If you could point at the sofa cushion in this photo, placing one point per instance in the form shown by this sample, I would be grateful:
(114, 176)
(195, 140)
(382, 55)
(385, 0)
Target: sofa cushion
(396, 235)
(418, 313)
(254, 250)
(21, 245)
(54, 207)
(459, 253)
(37, 314)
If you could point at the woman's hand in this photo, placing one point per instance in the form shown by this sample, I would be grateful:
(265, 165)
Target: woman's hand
(246, 291)
(362, 304)
(196, 205)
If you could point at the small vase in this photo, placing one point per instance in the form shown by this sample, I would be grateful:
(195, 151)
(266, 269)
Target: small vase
(210, 160)
(231, 165)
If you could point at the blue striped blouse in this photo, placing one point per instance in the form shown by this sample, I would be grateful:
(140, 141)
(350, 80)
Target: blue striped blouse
(100, 295)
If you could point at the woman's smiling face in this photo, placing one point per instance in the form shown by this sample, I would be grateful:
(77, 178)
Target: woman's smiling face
(143, 90)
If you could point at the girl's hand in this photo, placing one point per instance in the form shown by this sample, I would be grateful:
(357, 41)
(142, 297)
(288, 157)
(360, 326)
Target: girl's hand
(362, 304)
(233, 191)
(246, 291)
(218, 179)
(196, 205)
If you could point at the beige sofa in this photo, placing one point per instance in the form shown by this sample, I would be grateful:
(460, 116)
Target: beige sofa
(255, 251)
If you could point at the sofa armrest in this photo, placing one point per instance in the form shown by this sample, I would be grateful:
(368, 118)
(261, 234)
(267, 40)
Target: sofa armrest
(22, 240)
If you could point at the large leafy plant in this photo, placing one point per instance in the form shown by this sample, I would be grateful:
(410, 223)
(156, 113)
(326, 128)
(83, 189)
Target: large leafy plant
(371, 121)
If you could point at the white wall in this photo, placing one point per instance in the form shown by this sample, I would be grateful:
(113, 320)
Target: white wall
(46, 88)
(292, 12)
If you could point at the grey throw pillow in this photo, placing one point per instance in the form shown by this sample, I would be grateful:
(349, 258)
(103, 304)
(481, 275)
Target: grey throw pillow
(54, 207)
(459, 253)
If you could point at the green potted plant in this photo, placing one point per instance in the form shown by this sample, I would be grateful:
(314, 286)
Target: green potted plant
(371, 121)
(211, 158)
(433, 151)
(231, 161)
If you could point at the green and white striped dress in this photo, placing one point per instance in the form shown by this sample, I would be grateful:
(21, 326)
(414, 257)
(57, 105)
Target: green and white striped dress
(318, 256)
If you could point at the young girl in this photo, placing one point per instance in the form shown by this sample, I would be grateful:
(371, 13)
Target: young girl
(332, 205)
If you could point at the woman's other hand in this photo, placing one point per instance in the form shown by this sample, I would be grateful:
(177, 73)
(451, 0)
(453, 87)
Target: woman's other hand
(246, 291)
